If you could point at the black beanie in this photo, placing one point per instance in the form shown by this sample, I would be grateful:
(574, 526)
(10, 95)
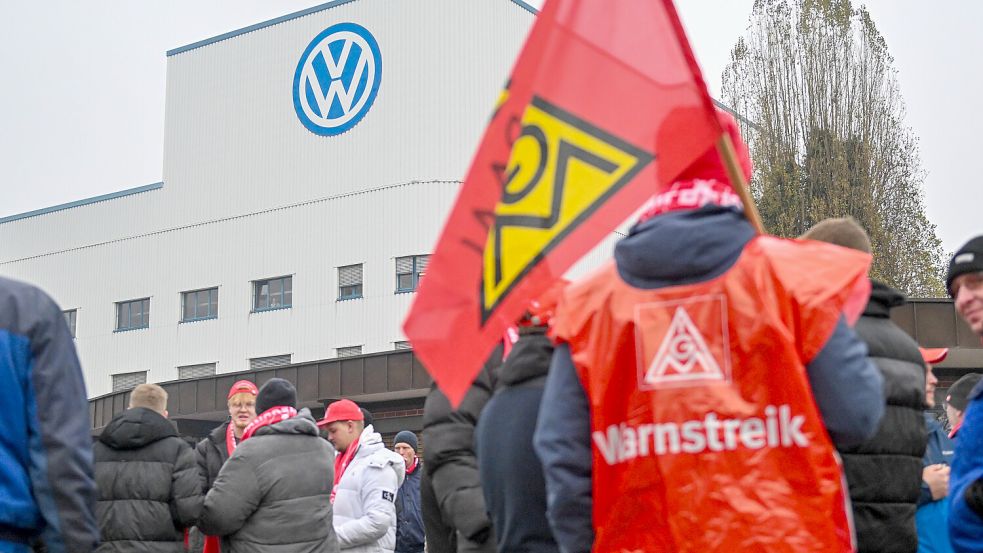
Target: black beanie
(406, 437)
(958, 394)
(274, 393)
(969, 259)
(367, 417)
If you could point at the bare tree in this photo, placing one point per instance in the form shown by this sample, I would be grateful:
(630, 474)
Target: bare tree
(817, 79)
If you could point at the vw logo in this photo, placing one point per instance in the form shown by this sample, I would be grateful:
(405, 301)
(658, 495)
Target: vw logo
(337, 79)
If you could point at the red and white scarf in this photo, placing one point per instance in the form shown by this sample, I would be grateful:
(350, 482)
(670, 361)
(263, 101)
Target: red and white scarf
(230, 439)
(416, 461)
(341, 463)
(270, 416)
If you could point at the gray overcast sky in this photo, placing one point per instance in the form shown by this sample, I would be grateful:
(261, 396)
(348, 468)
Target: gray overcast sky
(83, 89)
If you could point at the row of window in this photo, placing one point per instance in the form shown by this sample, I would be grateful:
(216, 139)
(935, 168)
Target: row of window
(268, 294)
(128, 381)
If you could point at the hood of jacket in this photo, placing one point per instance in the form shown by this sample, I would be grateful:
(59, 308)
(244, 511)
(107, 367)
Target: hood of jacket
(302, 423)
(530, 357)
(136, 428)
(682, 247)
(883, 299)
(370, 444)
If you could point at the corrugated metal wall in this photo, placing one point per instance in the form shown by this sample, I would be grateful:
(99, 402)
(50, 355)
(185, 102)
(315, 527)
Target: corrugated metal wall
(250, 193)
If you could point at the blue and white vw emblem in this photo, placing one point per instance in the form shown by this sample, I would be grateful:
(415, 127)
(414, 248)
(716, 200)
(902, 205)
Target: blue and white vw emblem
(337, 79)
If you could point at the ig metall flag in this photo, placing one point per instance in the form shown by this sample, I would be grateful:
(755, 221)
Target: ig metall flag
(605, 106)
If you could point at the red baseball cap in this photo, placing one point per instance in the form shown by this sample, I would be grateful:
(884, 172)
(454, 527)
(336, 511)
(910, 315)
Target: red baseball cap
(341, 410)
(934, 355)
(243, 387)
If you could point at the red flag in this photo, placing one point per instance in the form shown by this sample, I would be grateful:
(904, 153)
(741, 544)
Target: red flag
(606, 105)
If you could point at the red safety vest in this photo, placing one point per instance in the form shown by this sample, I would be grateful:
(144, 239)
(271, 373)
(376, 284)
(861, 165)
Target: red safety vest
(705, 433)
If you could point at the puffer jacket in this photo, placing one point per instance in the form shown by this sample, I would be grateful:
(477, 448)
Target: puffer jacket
(211, 453)
(885, 472)
(365, 502)
(454, 510)
(149, 488)
(273, 495)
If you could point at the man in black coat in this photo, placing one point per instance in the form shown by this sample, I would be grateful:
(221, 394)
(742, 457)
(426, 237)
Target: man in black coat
(511, 473)
(148, 482)
(454, 512)
(885, 473)
(214, 450)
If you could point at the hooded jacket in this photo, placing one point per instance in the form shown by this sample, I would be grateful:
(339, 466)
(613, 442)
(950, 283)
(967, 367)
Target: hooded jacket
(365, 503)
(149, 488)
(47, 489)
(273, 495)
(450, 489)
(846, 385)
(885, 472)
(511, 474)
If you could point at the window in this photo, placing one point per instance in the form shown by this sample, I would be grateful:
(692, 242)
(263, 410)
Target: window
(199, 304)
(196, 371)
(257, 363)
(349, 351)
(409, 271)
(402, 345)
(128, 381)
(71, 316)
(275, 293)
(133, 314)
(350, 282)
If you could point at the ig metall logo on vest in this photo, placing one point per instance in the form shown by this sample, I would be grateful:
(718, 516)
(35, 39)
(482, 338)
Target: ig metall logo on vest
(682, 342)
(337, 79)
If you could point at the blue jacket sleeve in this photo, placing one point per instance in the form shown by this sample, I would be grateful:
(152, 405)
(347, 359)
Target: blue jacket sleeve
(848, 388)
(61, 445)
(562, 442)
(965, 525)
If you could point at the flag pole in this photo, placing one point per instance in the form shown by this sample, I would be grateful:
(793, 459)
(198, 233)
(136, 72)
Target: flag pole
(726, 149)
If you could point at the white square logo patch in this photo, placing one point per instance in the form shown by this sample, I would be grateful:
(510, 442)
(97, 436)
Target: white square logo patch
(682, 342)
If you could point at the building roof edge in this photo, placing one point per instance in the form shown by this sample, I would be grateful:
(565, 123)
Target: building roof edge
(79, 203)
(288, 17)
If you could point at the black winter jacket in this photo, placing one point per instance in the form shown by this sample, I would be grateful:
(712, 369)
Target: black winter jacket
(274, 493)
(454, 509)
(212, 453)
(149, 488)
(511, 473)
(885, 473)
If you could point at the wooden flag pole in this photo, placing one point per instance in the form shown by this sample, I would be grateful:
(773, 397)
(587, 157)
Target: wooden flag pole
(726, 149)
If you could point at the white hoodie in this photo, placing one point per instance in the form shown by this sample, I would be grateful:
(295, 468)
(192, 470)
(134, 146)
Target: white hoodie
(364, 506)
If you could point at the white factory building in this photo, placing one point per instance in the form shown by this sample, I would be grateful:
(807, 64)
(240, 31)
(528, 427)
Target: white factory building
(309, 163)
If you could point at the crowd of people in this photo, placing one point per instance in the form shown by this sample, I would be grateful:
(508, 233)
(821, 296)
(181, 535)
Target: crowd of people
(709, 389)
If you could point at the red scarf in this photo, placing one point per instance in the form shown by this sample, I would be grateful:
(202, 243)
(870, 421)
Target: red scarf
(272, 415)
(341, 462)
(416, 461)
(952, 434)
(230, 439)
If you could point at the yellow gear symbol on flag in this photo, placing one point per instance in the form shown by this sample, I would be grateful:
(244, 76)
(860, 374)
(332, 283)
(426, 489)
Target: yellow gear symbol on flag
(561, 169)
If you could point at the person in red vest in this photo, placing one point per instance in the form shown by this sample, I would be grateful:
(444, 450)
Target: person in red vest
(701, 381)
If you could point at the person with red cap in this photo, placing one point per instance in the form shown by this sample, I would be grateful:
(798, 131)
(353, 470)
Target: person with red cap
(700, 382)
(274, 492)
(367, 477)
(931, 519)
(213, 450)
